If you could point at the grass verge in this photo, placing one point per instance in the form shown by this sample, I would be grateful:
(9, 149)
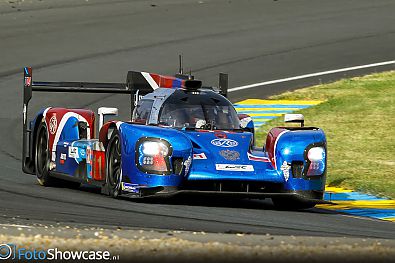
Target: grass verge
(358, 117)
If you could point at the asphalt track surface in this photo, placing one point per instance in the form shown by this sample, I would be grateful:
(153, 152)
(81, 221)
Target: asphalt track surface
(253, 41)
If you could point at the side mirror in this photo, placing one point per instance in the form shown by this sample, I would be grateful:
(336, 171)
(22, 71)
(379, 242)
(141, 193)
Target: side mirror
(245, 121)
(298, 118)
(105, 111)
(247, 124)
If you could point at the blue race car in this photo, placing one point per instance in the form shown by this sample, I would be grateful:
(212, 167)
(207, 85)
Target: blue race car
(182, 138)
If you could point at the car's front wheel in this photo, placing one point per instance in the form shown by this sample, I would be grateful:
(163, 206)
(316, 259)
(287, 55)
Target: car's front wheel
(114, 165)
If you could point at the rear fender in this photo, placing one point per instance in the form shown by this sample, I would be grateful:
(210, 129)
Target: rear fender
(106, 131)
(62, 124)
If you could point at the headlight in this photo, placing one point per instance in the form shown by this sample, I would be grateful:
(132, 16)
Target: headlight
(150, 148)
(152, 156)
(316, 154)
(316, 161)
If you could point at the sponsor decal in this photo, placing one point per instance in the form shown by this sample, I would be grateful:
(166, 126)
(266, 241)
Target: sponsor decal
(230, 155)
(81, 153)
(53, 124)
(128, 187)
(28, 81)
(224, 143)
(61, 161)
(199, 156)
(63, 156)
(73, 152)
(234, 167)
(285, 168)
(187, 164)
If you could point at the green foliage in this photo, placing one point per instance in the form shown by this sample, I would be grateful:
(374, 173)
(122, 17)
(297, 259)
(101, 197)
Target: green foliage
(358, 117)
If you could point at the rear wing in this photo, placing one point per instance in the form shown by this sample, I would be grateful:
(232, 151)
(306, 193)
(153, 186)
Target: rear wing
(137, 84)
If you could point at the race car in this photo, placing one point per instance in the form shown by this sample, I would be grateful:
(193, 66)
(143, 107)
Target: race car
(182, 138)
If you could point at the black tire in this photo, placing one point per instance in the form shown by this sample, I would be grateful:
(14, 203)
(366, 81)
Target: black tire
(113, 165)
(42, 158)
(292, 204)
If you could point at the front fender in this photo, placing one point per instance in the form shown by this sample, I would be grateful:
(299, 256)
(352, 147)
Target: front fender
(289, 154)
(181, 153)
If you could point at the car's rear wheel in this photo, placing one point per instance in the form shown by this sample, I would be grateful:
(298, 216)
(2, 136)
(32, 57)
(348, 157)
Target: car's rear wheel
(42, 158)
(292, 204)
(114, 165)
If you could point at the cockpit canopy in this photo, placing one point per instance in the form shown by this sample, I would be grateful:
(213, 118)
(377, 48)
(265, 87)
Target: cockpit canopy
(192, 110)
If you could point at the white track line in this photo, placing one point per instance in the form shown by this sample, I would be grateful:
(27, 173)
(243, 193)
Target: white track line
(311, 75)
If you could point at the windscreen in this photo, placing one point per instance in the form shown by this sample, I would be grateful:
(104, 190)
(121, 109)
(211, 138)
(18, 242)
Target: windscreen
(199, 111)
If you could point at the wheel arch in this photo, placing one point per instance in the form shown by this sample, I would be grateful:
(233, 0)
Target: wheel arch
(104, 136)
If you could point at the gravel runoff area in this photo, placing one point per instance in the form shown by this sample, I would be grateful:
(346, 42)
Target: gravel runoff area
(183, 246)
